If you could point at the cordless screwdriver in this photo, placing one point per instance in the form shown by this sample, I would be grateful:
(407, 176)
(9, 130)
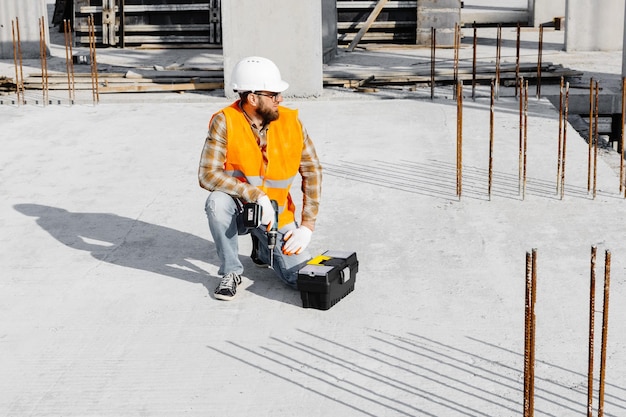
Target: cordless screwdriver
(273, 233)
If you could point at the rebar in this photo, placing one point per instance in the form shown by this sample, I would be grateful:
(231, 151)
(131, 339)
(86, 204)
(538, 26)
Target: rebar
(525, 139)
(560, 145)
(69, 59)
(459, 140)
(433, 48)
(565, 115)
(591, 110)
(539, 61)
(592, 309)
(44, 59)
(93, 60)
(491, 122)
(621, 163)
(595, 142)
(517, 57)
(521, 134)
(19, 93)
(474, 64)
(529, 333)
(498, 56)
(457, 41)
(605, 330)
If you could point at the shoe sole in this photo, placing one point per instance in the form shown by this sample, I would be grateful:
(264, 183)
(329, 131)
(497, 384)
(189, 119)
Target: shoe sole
(224, 297)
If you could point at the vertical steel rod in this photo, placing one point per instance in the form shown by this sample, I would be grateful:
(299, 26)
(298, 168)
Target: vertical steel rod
(498, 56)
(491, 122)
(521, 134)
(533, 332)
(44, 60)
(564, 139)
(21, 62)
(474, 65)
(432, 63)
(539, 61)
(525, 138)
(527, 332)
(459, 145)
(517, 58)
(560, 145)
(69, 64)
(94, 61)
(595, 142)
(605, 330)
(18, 91)
(591, 110)
(592, 309)
(457, 41)
(621, 163)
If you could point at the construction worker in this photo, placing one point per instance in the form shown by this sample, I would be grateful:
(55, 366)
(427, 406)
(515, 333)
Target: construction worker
(254, 150)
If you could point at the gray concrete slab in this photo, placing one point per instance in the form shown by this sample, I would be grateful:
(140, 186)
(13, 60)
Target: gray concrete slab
(108, 267)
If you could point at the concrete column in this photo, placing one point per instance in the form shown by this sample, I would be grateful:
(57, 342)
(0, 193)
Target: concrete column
(28, 14)
(439, 14)
(594, 25)
(542, 11)
(289, 32)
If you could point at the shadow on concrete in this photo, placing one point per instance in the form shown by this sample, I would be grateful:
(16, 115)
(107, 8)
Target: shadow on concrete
(149, 247)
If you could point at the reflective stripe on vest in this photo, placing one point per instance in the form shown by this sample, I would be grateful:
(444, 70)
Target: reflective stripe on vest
(244, 159)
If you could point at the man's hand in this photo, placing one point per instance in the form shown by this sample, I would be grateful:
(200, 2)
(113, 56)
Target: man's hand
(297, 240)
(267, 215)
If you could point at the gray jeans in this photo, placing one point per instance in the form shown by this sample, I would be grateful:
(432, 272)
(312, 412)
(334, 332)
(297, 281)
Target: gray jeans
(226, 224)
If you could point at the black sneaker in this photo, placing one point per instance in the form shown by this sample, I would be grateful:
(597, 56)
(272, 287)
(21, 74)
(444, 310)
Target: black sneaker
(254, 255)
(228, 287)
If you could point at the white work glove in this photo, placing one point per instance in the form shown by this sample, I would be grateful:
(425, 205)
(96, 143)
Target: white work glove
(267, 215)
(297, 240)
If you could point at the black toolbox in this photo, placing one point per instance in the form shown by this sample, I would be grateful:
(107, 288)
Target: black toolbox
(327, 278)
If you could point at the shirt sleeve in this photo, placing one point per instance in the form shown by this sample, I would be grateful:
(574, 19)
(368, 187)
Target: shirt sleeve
(311, 172)
(211, 170)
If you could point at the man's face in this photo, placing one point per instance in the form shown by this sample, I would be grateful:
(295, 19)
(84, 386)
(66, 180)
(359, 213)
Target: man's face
(268, 105)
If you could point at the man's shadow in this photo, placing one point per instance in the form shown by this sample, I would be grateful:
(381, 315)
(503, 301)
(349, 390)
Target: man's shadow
(128, 242)
(136, 244)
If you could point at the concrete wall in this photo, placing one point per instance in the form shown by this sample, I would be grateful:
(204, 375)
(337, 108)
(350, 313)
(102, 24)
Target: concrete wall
(442, 15)
(544, 11)
(594, 25)
(27, 13)
(289, 32)
(329, 29)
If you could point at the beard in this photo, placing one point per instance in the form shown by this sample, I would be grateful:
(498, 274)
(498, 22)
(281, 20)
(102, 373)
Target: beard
(267, 113)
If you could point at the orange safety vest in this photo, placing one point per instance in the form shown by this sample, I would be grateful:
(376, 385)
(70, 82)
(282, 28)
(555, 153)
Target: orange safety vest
(244, 159)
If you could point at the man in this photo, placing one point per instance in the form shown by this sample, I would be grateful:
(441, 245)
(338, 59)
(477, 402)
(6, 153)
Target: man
(254, 150)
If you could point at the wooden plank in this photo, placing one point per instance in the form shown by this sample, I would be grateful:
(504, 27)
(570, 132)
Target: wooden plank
(373, 15)
(161, 87)
(372, 3)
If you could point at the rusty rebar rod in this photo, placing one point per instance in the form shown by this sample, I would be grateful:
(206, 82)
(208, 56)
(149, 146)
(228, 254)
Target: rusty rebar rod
(474, 63)
(18, 90)
(527, 327)
(560, 144)
(21, 61)
(530, 327)
(517, 57)
(94, 61)
(491, 122)
(432, 62)
(595, 142)
(69, 59)
(605, 331)
(591, 109)
(539, 60)
(565, 116)
(44, 60)
(621, 163)
(459, 142)
(525, 139)
(592, 309)
(457, 41)
(498, 57)
(521, 134)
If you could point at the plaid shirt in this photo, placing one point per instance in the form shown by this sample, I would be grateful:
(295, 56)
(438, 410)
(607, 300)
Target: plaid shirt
(212, 177)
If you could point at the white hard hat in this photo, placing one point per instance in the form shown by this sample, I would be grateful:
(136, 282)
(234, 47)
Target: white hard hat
(256, 73)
